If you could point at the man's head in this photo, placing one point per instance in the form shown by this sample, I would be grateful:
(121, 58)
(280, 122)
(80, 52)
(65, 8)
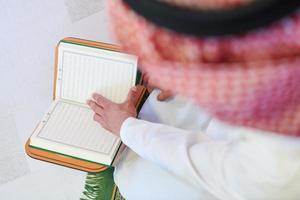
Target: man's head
(251, 78)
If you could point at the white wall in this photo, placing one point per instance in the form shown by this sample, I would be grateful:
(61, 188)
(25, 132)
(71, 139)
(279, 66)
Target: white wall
(29, 31)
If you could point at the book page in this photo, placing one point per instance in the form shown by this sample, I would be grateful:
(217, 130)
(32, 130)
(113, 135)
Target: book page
(84, 70)
(69, 128)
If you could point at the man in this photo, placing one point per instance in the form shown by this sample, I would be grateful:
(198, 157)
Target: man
(246, 74)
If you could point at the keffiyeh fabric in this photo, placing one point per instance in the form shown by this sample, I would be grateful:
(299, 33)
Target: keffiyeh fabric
(250, 79)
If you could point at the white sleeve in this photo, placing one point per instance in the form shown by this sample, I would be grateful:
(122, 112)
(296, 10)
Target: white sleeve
(229, 170)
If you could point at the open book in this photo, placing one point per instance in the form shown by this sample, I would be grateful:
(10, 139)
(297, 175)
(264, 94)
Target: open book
(68, 128)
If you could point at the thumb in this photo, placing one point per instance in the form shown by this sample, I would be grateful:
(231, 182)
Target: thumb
(131, 95)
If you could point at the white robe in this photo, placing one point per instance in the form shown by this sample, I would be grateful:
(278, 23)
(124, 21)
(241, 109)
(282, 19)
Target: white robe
(203, 159)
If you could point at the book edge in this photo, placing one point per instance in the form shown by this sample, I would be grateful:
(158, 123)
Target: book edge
(58, 153)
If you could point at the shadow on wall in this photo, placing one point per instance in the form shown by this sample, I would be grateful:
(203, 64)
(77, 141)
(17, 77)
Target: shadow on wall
(79, 9)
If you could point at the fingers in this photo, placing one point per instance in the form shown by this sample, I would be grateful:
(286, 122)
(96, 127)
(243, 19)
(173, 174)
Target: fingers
(98, 118)
(95, 107)
(131, 94)
(164, 95)
(145, 79)
(147, 83)
(101, 100)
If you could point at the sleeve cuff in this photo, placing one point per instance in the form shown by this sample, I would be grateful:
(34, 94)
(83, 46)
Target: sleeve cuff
(123, 130)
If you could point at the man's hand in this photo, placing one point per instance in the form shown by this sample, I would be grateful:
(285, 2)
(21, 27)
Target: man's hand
(150, 85)
(112, 115)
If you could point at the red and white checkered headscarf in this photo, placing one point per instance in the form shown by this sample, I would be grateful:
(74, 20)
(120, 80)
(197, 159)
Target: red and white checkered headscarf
(251, 79)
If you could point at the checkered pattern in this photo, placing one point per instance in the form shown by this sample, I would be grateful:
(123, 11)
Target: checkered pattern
(251, 79)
